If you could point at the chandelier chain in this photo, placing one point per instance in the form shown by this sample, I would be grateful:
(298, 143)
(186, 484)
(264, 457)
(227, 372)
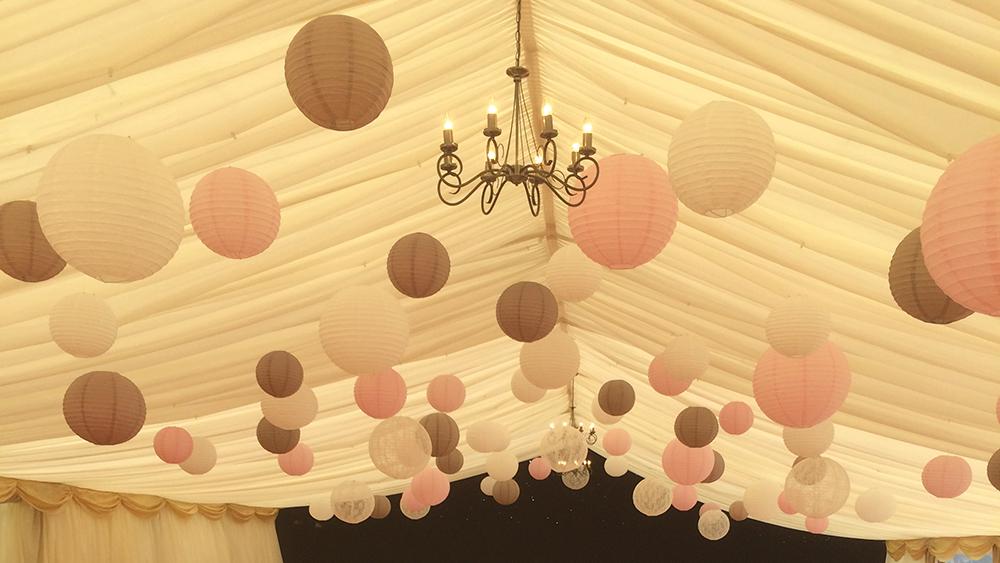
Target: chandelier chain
(517, 36)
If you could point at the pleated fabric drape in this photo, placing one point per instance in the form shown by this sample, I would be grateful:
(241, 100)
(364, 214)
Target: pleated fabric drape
(942, 549)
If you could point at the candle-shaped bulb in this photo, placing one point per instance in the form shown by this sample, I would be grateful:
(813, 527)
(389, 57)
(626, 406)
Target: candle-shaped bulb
(547, 109)
(576, 147)
(449, 134)
(538, 159)
(491, 116)
(492, 108)
(588, 127)
(588, 134)
(448, 125)
(547, 117)
(491, 155)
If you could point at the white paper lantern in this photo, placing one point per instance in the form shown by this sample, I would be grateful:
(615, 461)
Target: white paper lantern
(203, 457)
(352, 501)
(110, 208)
(798, 326)
(652, 496)
(83, 325)
(552, 362)
(615, 466)
(761, 500)
(875, 505)
(414, 513)
(685, 358)
(713, 525)
(576, 479)
(817, 487)
(809, 442)
(321, 510)
(601, 416)
(486, 485)
(571, 275)
(721, 159)
(488, 436)
(291, 412)
(564, 447)
(501, 466)
(364, 330)
(399, 447)
(524, 390)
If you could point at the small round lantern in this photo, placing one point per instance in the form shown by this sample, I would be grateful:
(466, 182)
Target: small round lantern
(875, 505)
(430, 486)
(276, 440)
(696, 427)
(524, 390)
(298, 461)
(685, 358)
(486, 485)
(652, 496)
(617, 441)
(684, 497)
(353, 502)
(443, 432)
(364, 330)
(616, 397)
(947, 476)
(801, 392)
(450, 463)
(279, 373)
(993, 470)
(809, 442)
(292, 412)
(234, 213)
(551, 362)
(446, 393)
(399, 447)
(564, 447)
(83, 325)
(662, 381)
(104, 408)
(488, 436)
(817, 525)
(737, 511)
(527, 311)
(501, 466)
(173, 444)
(718, 468)
(736, 418)
(913, 288)
(615, 466)
(382, 507)
(202, 459)
(576, 479)
(380, 395)
(713, 525)
(571, 275)
(418, 265)
(687, 466)
(539, 468)
(506, 492)
(817, 487)
(797, 327)
(25, 253)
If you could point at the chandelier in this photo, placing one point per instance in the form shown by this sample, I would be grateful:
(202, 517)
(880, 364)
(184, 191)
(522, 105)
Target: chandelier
(520, 161)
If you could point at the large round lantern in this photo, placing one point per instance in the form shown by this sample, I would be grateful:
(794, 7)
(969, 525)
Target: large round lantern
(524, 390)
(430, 486)
(721, 159)
(687, 466)
(696, 427)
(736, 417)
(338, 72)
(446, 393)
(364, 330)
(279, 373)
(662, 381)
(292, 412)
(418, 265)
(684, 358)
(450, 463)
(353, 501)
(380, 395)
(760, 500)
(913, 288)
(234, 213)
(488, 436)
(564, 447)
(527, 311)
(83, 325)
(443, 432)
(110, 208)
(399, 447)
(817, 487)
(628, 216)
(173, 444)
(947, 476)
(551, 362)
(506, 492)
(104, 408)
(875, 505)
(276, 440)
(571, 275)
(797, 327)
(801, 392)
(713, 525)
(651, 496)
(298, 461)
(25, 253)
(616, 397)
(809, 442)
(202, 459)
(959, 232)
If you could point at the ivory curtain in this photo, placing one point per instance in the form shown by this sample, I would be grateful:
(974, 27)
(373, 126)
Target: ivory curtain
(941, 549)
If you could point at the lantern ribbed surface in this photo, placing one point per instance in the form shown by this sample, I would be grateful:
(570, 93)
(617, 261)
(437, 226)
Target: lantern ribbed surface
(173, 444)
(25, 253)
(817, 487)
(913, 288)
(811, 441)
(279, 373)
(684, 358)
(451, 463)
(291, 412)
(571, 275)
(506, 492)
(527, 311)
(235, 213)
(83, 325)
(718, 468)
(443, 432)
(274, 439)
(946, 476)
(798, 326)
(736, 417)
(801, 392)
(364, 330)
(104, 408)
(687, 466)
(551, 362)
(418, 265)
(380, 395)
(696, 427)
(203, 457)
(616, 397)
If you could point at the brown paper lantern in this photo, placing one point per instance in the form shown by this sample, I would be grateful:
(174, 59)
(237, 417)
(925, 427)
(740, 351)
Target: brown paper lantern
(104, 408)
(451, 462)
(338, 72)
(443, 431)
(616, 397)
(276, 440)
(418, 265)
(527, 311)
(916, 293)
(382, 507)
(25, 253)
(738, 512)
(506, 492)
(696, 427)
(993, 469)
(279, 373)
(717, 470)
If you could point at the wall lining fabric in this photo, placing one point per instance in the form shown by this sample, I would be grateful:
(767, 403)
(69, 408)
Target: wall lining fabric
(943, 548)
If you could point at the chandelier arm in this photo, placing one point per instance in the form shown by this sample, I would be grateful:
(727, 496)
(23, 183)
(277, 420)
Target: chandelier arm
(486, 204)
(563, 186)
(534, 195)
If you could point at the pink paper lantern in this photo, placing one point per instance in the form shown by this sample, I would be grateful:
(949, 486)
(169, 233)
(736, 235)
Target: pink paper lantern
(235, 213)
(803, 391)
(297, 461)
(684, 497)
(947, 476)
(408, 502)
(617, 441)
(817, 525)
(628, 216)
(380, 395)
(446, 393)
(430, 487)
(173, 444)
(736, 417)
(960, 235)
(708, 506)
(784, 505)
(687, 466)
(664, 383)
(539, 468)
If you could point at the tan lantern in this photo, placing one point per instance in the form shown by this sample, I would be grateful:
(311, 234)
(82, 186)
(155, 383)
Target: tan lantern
(25, 253)
(83, 325)
(364, 330)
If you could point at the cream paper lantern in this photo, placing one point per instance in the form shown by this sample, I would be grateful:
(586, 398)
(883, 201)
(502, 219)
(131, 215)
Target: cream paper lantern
(202, 459)
(615, 466)
(601, 416)
(321, 510)
(761, 500)
(488, 436)
(875, 505)
(364, 330)
(576, 479)
(291, 412)
(110, 208)
(83, 325)
(524, 390)
(652, 496)
(685, 358)
(552, 362)
(571, 275)
(486, 485)
(502, 466)
(713, 525)
(352, 501)
(414, 513)
(721, 159)
(817, 487)
(399, 447)
(564, 447)
(809, 442)
(798, 326)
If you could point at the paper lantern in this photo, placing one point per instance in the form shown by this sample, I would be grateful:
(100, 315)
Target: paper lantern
(687, 466)
(382, 507)
(399, 447)
(450, 463)
(380, 395)
(552, 362)
(110, 208)
(83, 325)
(446, 393)
(539, 468)
(736, 418)
(959, 232)
(993, 470)
(364, 330)
(662, 382)
(628, 216)
(707, 507)
(760, 500)
(695, 427)
(279, 373)
(718, 468)
(25, 253)
(488, 436)
(616, 397)
(234, 213)
(202, 459)
(506, 492)
(291, 412)
(338, 72)
(913, 288)
(564, 447)
(104, 408)
(817, 525)
(353, 502)
(875, 505)
(276, 440)
(947, 476)
(418, 265)
(684, 497)
(617, 441)
(737, 511)
(684, 358)
(817, 487)
(527, 311)
(430, 486)
(298, 461)
(713, 525)
(321, 510)
(443, 432)
(414, 512)
(576, 479)
(501, 466)
(571, 275)
(797, 327)
(173, 444)
(651, 496)
(486, 485)
(721, 159)
(524, 390)
(784, 504)
(615, 466)
(408, 502)
(809, 442)
(601, 416)
(801, 392)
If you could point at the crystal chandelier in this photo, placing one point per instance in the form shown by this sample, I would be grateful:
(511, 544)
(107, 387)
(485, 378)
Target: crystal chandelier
(520, 161)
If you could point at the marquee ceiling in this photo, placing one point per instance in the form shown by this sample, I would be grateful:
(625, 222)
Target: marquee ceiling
(867, 101)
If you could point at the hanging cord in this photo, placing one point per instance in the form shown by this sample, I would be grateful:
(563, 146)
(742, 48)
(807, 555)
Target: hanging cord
(517, 36)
